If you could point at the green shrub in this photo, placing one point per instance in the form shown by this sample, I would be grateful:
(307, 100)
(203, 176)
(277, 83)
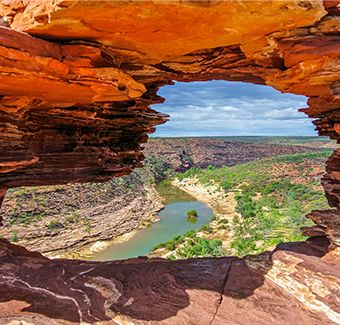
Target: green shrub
(54, 224)
(161, 245)
(69, 219)
(191, 172)
(226, 184)
(215, 243)
(14, 238)
(170, 245)
(178, 239)
(236, 220)
(299, 237)
(171, 257)
(192, 213)
(205, 228)
(191, 233)
(243, 246)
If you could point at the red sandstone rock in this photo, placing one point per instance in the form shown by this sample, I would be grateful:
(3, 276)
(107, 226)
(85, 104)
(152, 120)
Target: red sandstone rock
(162, 30)
(313, 231)
(47, 83)
(332, 257)
(75, 107)
(331, 4)
(307, 48)
(329, 221)
(287, 286)
(41, 72)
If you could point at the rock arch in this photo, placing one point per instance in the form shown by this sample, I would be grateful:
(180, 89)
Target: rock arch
(76, 82)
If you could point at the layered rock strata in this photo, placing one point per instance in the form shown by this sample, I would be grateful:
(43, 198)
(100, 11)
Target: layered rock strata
(74, 107)
(84, 97)
(291, 285)
(67, 120)
(58, 232)
(56, 219)
(76, 93)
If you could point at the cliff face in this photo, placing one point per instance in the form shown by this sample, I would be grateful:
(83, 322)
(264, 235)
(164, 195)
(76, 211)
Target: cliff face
(76, 82)
(76, 94)
(181, 154)
(63, 121)
(64, 218)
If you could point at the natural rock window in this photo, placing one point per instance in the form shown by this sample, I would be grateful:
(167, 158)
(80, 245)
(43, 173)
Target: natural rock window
(77, 79)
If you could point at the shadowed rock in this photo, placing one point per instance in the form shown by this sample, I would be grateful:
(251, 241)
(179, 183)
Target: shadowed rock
(258, 289)
(74, 107)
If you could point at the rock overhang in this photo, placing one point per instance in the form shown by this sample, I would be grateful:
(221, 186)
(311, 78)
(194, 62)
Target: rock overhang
(77, 79)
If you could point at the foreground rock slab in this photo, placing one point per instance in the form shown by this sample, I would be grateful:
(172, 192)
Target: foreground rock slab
(291, 285)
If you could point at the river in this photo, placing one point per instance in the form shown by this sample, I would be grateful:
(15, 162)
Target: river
(173, 222)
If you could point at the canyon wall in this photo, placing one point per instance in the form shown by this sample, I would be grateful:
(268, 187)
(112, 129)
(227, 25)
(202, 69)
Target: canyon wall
(76, 82)
(64, 218)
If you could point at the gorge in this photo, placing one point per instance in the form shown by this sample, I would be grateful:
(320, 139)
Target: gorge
(77, 79)
(61, 219)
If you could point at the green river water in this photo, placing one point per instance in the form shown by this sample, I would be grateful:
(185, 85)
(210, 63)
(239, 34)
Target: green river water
(173, 222)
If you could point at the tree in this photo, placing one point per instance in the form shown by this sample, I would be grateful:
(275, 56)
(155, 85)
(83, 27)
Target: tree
(192, 213)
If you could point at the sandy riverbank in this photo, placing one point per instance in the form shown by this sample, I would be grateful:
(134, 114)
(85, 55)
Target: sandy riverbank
(223, 205)
(86, 252)
(220, 202)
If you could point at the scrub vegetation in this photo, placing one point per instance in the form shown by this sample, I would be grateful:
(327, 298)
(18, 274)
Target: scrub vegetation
(273, 196)
(192, 246)
(192, 213)
(29, 205)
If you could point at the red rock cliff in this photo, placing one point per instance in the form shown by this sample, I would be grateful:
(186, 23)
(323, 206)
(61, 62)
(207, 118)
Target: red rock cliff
(76, 82)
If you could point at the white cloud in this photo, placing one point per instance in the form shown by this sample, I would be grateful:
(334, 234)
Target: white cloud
(224, 108)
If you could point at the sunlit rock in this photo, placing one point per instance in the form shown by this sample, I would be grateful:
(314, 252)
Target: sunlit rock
(76, 82)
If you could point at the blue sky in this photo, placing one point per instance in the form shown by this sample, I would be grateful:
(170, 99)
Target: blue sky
(221, 108)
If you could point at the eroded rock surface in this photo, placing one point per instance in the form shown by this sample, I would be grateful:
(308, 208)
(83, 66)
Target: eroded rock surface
(76, 94)
(76, 82)
(66, 115)
(78, 90)
(181, 154)
(291, 285)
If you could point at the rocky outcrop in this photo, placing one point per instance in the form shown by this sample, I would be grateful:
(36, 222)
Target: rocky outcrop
(76, 82)
(291, 285)
(65, 115)
(66, 230)
(78, 89)
(328, 222)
